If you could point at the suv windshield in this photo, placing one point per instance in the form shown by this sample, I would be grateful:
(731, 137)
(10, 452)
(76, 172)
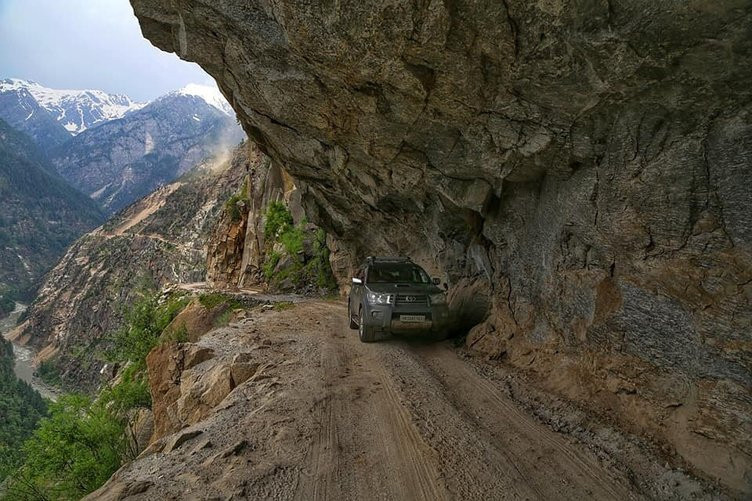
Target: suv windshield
(404, 273)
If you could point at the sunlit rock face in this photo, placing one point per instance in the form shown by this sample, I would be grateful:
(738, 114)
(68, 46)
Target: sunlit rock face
(589, 160)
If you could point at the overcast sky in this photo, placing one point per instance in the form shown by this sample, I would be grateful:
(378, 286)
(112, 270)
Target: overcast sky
(87, 44)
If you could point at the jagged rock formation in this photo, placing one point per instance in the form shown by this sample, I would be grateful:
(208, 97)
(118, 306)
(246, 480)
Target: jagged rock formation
(588, 160)
(40, 215)
(162, 239)
(185, 394)
(242, 251)
(235, 253)
(123, 160)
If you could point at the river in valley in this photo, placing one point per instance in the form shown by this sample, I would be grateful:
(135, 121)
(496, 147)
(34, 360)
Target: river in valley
(24, 367)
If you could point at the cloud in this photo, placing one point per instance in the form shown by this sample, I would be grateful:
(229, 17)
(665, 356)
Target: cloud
(87, 44)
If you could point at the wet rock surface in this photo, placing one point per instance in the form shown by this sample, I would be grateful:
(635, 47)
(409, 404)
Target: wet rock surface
(588, 161)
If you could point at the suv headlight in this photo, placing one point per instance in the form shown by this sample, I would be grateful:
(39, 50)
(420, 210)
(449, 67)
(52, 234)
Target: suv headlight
(439, 298)
(378, 298)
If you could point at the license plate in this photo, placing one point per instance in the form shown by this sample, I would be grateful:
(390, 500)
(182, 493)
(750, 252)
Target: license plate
(412, 318)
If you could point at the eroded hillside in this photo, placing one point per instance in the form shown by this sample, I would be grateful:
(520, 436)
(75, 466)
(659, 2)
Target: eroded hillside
(162, 239)
(584, 164)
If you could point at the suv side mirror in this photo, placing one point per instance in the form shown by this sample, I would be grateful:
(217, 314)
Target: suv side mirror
(436, 280)
(356, 281)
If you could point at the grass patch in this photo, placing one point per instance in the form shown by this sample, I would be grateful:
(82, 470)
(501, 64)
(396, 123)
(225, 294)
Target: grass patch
(179, 335)
(270, 264)
(223, 319)
(233, 204)
(214, 299)
(283, 305)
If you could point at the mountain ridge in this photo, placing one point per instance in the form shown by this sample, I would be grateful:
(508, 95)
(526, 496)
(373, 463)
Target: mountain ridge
(122, 160)
(76, 110)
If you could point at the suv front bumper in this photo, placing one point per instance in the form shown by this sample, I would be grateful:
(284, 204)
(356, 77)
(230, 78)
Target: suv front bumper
(388, 319)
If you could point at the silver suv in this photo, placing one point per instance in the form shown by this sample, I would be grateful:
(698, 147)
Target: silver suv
(393, 295)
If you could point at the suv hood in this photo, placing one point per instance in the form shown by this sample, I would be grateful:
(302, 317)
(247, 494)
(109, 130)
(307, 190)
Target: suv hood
(404, 288)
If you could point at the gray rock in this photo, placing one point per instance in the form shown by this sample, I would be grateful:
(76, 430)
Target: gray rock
(181, 438)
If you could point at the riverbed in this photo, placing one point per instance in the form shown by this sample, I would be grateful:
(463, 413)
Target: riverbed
(24, 366)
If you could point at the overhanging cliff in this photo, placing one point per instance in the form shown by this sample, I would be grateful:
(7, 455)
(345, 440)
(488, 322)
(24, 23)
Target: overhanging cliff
(586, 162)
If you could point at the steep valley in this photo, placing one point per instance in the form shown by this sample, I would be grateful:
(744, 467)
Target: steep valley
(58, 146)
(41, 215)
(160, 240)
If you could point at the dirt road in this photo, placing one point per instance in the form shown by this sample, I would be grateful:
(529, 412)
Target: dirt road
(413, 421)
(327, 417)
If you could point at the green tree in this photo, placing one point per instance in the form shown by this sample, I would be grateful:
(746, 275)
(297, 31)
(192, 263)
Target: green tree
(72, 453)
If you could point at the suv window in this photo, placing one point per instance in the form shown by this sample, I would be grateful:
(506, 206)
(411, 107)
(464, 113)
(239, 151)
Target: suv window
(404, 273)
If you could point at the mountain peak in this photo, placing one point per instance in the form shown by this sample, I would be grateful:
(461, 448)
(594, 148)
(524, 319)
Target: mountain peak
(210, 94)
(76, 110)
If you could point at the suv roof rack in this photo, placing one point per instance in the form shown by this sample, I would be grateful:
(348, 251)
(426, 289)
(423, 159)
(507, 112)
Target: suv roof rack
(388, 259)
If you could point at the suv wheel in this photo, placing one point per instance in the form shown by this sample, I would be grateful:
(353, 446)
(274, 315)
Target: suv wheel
(365, 332)
(353, 323)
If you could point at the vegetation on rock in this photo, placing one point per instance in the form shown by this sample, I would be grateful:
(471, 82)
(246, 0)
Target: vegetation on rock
(85, 440)
(234, 203)
(297, 256)
(277, 220)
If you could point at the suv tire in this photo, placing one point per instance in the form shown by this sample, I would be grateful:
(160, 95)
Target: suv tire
(365, 332)
(353, 323)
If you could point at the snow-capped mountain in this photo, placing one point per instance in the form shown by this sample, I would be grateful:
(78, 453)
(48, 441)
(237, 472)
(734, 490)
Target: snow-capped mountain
(211, 95)
(75, 110)
(123, 160)
(113, 149)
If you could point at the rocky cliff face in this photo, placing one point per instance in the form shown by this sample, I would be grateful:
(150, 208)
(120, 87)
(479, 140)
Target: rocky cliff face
(162, 239)
(587, 161)
(235, 255)
(285, 254)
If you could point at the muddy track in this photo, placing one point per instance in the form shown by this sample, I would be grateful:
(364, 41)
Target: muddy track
(403, 420)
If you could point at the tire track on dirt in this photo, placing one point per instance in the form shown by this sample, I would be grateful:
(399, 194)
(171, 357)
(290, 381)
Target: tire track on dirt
(532, 447)
(416, 459)
(366, 446)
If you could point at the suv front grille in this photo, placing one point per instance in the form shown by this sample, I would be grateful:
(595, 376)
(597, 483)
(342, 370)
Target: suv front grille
(412, 299)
